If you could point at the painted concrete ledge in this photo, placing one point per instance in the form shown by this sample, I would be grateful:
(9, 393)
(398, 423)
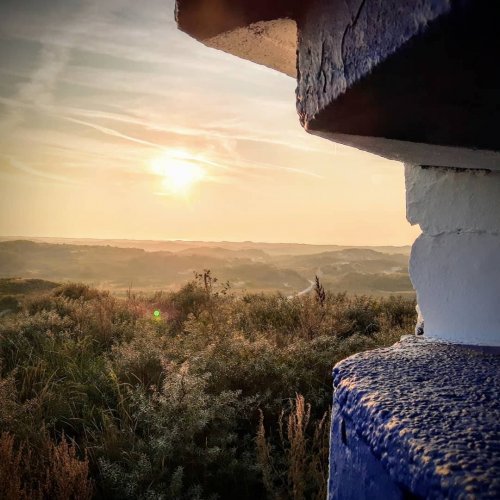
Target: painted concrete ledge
(420, 419)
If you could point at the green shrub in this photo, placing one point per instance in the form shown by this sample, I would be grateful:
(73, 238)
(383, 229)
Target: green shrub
(9, 303)
(217, 397)
(75, 291)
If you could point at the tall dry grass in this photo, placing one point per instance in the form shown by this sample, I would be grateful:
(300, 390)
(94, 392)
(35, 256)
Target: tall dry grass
(295, 466)
(56, 474)
(11, 470)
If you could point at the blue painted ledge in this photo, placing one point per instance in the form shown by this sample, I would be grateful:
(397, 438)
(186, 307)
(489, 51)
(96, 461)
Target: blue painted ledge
(420, 419)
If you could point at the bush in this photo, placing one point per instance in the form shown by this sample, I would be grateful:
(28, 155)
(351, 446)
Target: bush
(218, 397)
(75, 291)
(9, 303)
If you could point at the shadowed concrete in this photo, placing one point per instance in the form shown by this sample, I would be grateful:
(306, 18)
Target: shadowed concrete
(411, 80)
(260, 31)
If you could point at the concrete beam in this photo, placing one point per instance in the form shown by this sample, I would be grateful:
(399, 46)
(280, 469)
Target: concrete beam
(270, 43)
(261, 31)
(410, 80)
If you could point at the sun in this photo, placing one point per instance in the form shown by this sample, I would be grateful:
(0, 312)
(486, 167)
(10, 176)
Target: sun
(178, 173)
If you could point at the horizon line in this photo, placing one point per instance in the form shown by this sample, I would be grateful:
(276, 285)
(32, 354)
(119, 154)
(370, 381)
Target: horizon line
(179, 240)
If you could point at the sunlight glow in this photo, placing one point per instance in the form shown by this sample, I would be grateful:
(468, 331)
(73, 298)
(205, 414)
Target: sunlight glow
(179, 173)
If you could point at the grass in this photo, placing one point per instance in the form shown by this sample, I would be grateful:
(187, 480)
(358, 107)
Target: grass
(221, 396)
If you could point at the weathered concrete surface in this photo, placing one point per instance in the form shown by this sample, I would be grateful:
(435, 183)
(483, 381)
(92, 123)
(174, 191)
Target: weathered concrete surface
(270, 43)
(418, 152)
(258, 30)
(450, 200)
(410, 80)
(204, 19)
(457, 278)
(342, 41)
(390, 76)
(419, 418)
(455, 263)
(355, 472)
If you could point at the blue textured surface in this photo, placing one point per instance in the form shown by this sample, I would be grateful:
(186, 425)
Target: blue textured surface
(419, 417)
(355, 472)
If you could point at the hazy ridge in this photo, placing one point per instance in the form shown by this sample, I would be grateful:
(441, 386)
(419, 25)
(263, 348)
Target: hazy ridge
(152, 265)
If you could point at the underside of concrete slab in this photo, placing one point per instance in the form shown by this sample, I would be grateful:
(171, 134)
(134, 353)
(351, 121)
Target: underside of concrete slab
(412, 80)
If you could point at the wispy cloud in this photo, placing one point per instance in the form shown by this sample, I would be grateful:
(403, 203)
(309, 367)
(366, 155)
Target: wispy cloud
(114, 133)
(27, 169)
(38, 90)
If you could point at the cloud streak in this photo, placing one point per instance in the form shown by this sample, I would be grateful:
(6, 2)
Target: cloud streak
(26, 169)
(114, 133)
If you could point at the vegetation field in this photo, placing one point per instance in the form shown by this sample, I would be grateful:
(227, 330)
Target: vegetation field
(193, 394)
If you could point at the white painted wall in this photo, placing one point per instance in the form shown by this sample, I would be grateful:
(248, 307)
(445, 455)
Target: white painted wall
(455, 263)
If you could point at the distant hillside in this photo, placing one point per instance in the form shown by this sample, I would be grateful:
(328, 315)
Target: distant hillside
(221, 252)
(247, 266)
(179, 245)
(12, 291)
(21, 286)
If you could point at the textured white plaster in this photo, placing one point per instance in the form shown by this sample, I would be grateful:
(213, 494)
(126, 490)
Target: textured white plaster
(455, 264)
(442, 200)
(457, 278)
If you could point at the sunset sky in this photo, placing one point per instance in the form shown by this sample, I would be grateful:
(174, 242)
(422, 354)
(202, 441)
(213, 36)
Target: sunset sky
(113, 124)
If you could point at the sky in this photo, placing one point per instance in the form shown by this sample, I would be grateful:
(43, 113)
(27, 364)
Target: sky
(114, 124)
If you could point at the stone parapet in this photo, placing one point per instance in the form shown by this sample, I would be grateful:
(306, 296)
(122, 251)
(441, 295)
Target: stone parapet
(420, 419)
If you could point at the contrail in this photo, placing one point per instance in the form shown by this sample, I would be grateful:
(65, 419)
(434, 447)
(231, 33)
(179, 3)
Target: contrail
(32, 171)
(114, 133)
